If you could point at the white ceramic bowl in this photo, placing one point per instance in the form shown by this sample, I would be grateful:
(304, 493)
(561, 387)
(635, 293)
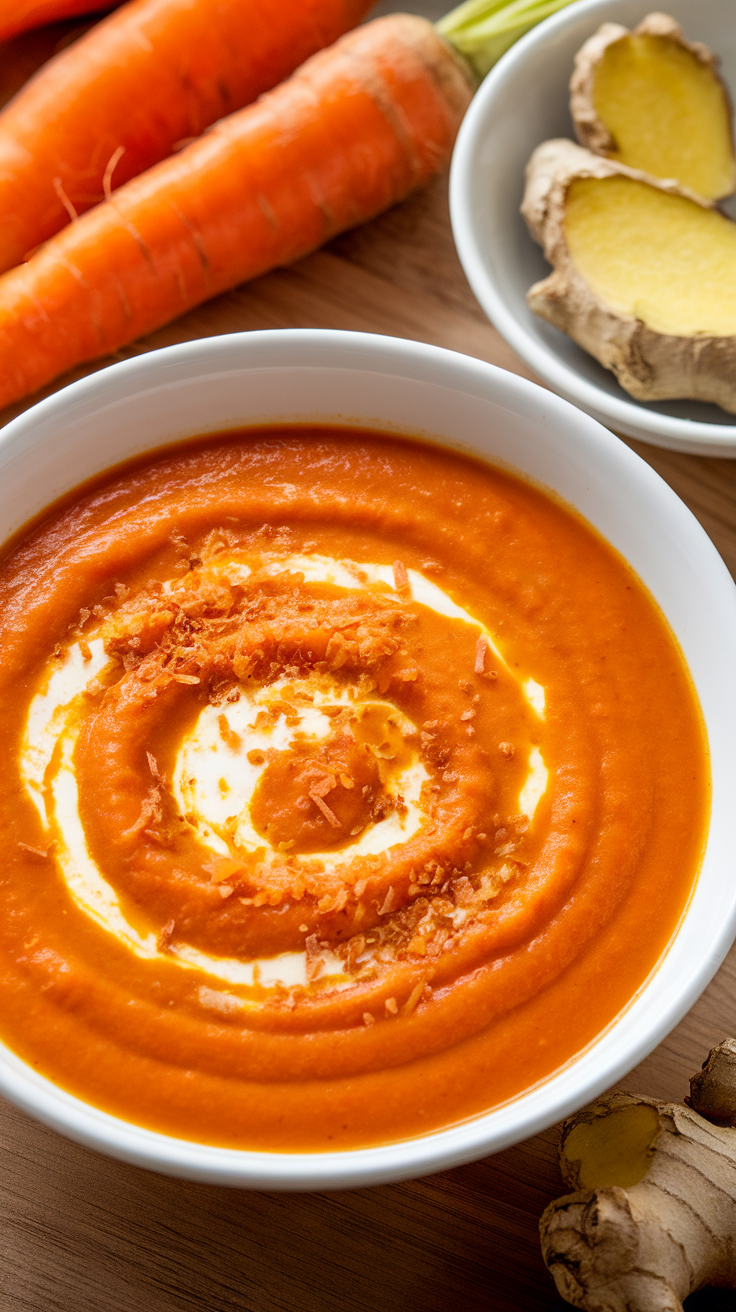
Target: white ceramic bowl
(226, 382)
(524, 101)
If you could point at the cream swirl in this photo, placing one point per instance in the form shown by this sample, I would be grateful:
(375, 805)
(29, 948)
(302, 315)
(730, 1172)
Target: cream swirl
(292, 775)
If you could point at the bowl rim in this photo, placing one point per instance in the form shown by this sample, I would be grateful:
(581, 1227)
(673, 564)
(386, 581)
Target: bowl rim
(622, 414)
(580, 1080)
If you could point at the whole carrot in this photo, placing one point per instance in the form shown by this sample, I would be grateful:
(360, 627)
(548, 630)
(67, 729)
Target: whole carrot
(20, 15)
(153, 74)
(354, 130)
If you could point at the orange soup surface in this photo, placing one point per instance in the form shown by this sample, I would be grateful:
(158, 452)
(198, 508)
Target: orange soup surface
(350, 788)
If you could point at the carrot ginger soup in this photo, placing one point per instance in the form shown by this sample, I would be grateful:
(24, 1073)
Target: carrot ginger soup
(350, 787)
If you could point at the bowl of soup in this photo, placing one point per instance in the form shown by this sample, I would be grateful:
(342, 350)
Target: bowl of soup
(369, 724)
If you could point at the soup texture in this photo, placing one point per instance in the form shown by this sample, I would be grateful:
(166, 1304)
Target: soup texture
(351, 787)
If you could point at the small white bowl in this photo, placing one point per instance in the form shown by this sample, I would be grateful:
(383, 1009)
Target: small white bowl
(407, 387)
(522, 102)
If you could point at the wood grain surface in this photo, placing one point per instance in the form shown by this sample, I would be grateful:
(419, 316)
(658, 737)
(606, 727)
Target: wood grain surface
(80, 1233)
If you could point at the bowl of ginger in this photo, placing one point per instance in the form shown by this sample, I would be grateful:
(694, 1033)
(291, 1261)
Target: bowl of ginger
(593, 209)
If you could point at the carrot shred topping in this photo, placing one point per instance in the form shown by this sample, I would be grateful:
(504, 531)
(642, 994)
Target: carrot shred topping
(163, 941)
(323, 786)
(401, 579)
(41, 852)
(480, 654)
(329, 815)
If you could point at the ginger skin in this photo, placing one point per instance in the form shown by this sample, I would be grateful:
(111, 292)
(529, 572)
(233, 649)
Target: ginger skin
(654, 1217)
(652, 362)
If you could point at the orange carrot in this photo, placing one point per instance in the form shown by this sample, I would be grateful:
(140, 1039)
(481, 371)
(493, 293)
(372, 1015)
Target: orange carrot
(353, 131)
(154, 74)
(20, 15)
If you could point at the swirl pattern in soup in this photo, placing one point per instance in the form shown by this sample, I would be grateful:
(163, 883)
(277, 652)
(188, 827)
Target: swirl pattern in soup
(351, 787)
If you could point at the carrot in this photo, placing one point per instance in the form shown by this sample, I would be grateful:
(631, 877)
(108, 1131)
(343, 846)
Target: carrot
(353, 131)
(20, 15)
(153, 74)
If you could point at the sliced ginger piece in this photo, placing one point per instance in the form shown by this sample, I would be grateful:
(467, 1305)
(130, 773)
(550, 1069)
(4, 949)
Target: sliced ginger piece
(653, 101)
(611, 1147)
(644, 277)
(654, 256)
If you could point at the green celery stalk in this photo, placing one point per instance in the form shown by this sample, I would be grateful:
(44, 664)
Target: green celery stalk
(482, 30)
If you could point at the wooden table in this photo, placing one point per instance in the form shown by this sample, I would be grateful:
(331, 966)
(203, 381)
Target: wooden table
(80, 1233)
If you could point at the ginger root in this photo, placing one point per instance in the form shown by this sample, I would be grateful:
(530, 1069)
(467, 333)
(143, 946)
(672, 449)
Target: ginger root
(644, 274)
(644, 265)
(654, 1215)
(653, 101)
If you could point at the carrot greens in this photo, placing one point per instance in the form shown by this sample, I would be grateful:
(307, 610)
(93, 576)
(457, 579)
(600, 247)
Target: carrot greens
(483, 30)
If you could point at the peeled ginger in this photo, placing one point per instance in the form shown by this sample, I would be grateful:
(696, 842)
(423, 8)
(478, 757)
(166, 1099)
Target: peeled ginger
(653, 101)
(655, 256)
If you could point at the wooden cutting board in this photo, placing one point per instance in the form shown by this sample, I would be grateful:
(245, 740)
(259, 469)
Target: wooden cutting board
(80, 1233)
